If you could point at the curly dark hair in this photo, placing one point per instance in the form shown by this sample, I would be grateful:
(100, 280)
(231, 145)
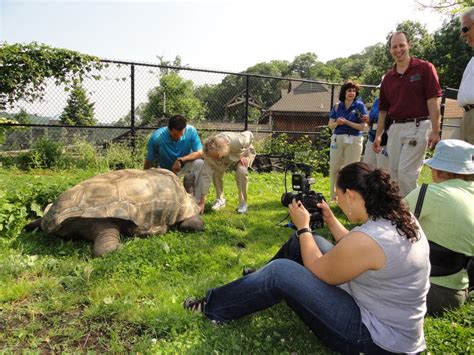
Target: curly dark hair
(381, 196)
(348, 85)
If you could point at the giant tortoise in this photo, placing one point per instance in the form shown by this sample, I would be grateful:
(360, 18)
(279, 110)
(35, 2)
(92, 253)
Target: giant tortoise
(128, 202)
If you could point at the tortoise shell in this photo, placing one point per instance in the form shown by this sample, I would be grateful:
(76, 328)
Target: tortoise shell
(151, 199)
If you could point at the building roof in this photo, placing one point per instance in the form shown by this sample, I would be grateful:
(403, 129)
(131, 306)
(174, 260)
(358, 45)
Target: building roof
(304, 97)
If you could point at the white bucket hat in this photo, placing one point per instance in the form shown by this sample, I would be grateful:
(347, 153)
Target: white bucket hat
(454, 156)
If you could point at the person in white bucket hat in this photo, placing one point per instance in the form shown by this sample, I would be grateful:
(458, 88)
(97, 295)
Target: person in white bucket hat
(447, 218)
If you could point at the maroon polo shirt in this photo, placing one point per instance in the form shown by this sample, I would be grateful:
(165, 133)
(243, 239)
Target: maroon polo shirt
(404, 96)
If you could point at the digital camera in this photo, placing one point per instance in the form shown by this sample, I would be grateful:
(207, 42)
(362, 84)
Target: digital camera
(301, 184)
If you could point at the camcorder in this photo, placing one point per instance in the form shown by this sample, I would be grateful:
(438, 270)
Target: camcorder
(301, 182)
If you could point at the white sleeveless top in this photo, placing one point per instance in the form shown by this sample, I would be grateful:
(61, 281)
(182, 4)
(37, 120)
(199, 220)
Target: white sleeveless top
(392, 300)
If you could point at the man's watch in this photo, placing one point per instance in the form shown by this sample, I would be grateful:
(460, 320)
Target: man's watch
(181, 162)
(303, 230)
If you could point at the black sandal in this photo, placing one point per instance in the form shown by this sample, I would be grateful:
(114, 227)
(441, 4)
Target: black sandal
(195, 305)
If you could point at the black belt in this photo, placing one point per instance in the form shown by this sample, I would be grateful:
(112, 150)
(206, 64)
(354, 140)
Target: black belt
(406, 120)
(468, 108)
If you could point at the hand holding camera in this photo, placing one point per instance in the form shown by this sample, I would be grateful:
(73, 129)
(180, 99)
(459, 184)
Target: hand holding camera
(299, 215)
(304, 195)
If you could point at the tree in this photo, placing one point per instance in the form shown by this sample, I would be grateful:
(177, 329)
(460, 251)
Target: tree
(25, 69)
(78, 111)
(22, 117)
(127, 119)
(449, 54)
(447, 7)
(168, 63)
(173, 96)
(303, 63)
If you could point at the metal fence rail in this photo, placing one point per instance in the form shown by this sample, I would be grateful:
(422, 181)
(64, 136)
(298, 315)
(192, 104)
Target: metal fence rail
(131, 99)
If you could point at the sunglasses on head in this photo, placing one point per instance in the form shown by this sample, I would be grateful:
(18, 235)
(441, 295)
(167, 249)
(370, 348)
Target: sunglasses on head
(465, 29)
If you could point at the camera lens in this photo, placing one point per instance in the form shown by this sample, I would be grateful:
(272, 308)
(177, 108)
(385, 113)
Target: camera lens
(286, 198)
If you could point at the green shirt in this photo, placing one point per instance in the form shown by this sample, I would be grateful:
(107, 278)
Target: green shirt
(447, 218)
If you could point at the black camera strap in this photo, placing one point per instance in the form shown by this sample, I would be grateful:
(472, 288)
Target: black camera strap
(421, 198)
(443, 261)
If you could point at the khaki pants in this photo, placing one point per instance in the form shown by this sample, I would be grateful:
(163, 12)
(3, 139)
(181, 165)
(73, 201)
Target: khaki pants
(344, 150)
(219, 167)
(195, 167)
(467, 127)
(405, 160)
(378, 160)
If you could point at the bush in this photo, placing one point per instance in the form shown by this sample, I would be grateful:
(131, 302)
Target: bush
(304, 150)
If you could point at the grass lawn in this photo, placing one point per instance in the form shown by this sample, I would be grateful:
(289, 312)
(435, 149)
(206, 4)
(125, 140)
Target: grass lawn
(55, 297)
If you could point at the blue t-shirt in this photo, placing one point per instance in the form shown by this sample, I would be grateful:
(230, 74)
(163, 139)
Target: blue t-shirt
(373, 118)
(163, 149)
(353, 114)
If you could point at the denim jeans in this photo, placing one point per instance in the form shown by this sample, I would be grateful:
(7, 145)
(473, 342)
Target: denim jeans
(330, 312)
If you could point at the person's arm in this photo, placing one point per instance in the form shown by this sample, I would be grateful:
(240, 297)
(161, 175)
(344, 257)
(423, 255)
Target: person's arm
(435, 116)
(347, 260)
(178, 163)
(192, 156)
(358, 126)
(332, 124)
(378, 134)
(336, 228)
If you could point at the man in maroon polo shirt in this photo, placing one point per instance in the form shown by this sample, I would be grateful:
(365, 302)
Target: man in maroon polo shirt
(409, 98)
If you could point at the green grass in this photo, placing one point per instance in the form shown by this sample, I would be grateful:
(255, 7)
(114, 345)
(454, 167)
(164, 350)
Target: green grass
(55, 297)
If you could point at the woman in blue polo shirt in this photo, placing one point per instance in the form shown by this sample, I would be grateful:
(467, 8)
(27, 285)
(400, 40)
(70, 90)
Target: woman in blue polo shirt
(347, 119)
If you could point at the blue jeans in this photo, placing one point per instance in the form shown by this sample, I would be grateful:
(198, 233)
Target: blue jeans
(329, 311)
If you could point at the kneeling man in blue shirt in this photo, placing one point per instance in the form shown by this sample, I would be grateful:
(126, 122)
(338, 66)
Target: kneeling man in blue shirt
(177, 148)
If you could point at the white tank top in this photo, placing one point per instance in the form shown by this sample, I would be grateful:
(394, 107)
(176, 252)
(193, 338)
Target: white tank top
(392, 300)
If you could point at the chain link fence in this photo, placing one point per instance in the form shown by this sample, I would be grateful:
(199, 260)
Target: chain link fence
(130, 100)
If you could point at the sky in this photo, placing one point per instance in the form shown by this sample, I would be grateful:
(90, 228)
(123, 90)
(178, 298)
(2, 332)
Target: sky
(209, 34)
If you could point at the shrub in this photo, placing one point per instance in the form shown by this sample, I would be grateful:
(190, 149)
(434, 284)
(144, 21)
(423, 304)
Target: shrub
(304, 150)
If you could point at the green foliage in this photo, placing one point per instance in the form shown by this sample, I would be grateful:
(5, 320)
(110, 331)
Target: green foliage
(47, 153)
(449, 55)
(121, 155)
(27, 67)
(447, 7)
(78, 111)
(174, 96)
(81, 154)
(5, 129)
(304, 150)
(303, 63)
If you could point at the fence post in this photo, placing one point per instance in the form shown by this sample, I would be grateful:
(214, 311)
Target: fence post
(132, 104)
(246, 124)
(443, 104)
(332, 97)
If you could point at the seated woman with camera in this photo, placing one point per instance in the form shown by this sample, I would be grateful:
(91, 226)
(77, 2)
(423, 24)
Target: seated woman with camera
(365, 294)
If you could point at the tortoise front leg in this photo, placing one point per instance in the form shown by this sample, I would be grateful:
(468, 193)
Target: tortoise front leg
(106, 237)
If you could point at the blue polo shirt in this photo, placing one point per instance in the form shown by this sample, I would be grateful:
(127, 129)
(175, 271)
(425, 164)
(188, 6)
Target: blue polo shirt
(373, 118)
(354, 114)
(163, 149)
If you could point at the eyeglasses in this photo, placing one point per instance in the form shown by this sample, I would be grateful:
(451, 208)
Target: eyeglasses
(465, 29)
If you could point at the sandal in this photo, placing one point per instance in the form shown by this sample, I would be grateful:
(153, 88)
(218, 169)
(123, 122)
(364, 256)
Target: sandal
(195, 305)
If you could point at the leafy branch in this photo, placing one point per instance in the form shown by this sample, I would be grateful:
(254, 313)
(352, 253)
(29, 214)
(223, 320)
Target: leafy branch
(25, 69)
